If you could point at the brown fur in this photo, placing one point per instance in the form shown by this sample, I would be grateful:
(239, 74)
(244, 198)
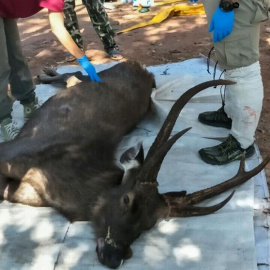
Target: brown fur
(64, 156)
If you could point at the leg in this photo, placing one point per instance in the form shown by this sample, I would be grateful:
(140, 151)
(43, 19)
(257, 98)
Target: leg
(101, 24)
(4, 181)
(244, 102)
(5, 101)
(21, 81)
(8, 129)
(71, 22)
(19, 192)
(238, 54)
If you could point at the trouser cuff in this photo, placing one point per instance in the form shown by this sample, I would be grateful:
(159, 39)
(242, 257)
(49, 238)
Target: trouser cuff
(29, 98)
(5, 117)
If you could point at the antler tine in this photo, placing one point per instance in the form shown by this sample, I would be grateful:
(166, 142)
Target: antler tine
(148, 173)
(176, 209)
(170, 120)
(181, 205)
(156, 161)
(241, 177)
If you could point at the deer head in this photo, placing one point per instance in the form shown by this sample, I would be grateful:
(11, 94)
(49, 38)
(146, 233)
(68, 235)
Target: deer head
(123, 213)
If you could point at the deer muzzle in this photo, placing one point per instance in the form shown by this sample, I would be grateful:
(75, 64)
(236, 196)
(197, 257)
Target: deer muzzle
(109, 254)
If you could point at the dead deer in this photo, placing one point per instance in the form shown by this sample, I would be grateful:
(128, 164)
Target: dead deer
(64, 158)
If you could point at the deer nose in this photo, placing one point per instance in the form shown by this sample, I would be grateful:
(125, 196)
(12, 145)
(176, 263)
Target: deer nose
(100, 249)
(108, 255)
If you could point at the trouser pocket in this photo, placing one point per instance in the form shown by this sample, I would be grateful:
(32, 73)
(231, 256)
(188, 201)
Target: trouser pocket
(261, 11)
(238, 52)
(240, 49)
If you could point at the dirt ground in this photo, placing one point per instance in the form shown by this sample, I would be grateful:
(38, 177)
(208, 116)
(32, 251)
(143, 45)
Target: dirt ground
(176, 39)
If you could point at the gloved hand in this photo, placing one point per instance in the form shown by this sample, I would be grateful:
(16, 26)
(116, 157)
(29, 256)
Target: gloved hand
(89, 68)
(221, 24)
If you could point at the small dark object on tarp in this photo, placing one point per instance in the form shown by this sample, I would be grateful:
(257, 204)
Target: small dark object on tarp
(143, 10)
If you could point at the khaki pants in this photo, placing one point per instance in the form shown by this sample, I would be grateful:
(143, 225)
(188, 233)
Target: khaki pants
(13, 69)
(238, 54)
(241, 47)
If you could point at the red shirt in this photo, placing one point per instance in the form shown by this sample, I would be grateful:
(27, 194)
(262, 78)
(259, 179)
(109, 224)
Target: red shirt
(26, 8)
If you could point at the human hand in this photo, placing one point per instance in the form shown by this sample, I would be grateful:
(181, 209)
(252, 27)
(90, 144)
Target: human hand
(221, 24)
(89, 68)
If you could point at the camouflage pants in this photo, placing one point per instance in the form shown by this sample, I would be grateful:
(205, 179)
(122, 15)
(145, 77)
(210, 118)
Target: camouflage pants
(99, 18)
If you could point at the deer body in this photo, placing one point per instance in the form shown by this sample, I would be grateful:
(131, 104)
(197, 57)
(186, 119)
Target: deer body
(64, 155)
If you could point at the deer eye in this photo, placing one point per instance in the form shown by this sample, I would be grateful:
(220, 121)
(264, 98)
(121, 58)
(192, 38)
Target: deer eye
(126, 199)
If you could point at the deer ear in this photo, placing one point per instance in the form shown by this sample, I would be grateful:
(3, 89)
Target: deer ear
(134, 153)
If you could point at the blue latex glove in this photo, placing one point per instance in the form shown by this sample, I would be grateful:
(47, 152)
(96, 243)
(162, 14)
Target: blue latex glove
(221, 24)
(89, 68)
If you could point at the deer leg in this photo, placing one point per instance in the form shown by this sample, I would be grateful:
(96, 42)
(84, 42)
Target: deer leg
(4, 181)
(52, 76)
(22, 193)
(50, 72)
(14, 169)
(19, 155)
(46, 79)
(19, 192)
(73, 80)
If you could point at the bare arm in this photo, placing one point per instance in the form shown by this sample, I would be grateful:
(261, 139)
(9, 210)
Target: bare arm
(58, 28)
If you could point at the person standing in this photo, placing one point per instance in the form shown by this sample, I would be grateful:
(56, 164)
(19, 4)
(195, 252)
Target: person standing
(101, 24)
(14, 70)
(236, 33)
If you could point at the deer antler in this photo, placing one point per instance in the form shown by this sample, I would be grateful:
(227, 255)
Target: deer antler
(180, 209)
(181, 205)
(160, 147)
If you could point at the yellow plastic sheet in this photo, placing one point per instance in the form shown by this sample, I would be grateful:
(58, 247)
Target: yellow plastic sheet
(177, 10)
(161, 3)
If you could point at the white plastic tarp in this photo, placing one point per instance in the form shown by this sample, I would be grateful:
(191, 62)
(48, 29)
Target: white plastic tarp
(234, 238)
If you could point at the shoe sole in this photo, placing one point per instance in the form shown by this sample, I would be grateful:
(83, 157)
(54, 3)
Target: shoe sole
(215, 124)
(249, 154)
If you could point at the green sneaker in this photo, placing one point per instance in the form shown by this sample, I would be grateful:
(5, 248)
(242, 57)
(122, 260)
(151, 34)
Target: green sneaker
(226, 152)
(8, 129)
(30, 108)
(217, 118)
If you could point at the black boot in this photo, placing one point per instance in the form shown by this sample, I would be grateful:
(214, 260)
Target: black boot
(216, 118)
(225, 152)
